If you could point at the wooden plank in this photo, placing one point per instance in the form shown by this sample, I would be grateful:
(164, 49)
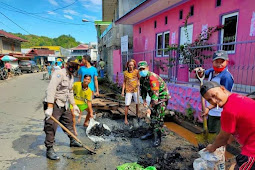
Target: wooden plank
(132, 108)
(121, 110)
(115, 112)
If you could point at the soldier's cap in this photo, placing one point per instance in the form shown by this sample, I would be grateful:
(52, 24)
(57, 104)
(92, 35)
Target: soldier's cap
(220, 54)
(207, 86)
(73, 60)
(142, 64)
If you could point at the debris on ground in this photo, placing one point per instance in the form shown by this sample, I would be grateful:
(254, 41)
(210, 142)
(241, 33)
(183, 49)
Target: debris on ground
(99, 130)
(134, 166)
(172, 160)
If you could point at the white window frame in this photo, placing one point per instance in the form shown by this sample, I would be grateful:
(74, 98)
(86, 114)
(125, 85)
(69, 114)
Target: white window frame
(157, 44)
(167, 32)
(163, 44)
(222, 32)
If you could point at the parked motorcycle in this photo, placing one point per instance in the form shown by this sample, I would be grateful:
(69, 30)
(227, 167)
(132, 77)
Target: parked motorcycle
(17, 71)
(3, 74)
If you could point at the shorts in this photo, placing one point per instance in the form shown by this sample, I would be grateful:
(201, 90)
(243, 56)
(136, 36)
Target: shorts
(49, 73)
(128, 98)
(213, 124)
(82, 107)
(245, 162)
(9, 70)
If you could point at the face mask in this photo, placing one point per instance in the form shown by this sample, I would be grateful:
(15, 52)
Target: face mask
(143, 73)
(72, 69)
(218, 70)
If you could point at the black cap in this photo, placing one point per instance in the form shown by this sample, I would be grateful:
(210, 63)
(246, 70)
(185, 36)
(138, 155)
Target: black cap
(207, 86)
(220, 54)
(73, 60)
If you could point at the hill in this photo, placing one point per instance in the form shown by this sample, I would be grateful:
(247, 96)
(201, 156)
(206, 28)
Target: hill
(65, 41)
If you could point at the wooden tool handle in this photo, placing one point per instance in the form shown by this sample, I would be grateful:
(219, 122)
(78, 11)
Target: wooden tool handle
(70, 133)
(138, 102)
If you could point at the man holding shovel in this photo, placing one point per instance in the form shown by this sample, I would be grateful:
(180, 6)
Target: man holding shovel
(237, 119)
(157, 89)
(59, 93)
(220, 74)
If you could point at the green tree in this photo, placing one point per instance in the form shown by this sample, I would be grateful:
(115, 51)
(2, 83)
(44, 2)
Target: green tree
(65, 41)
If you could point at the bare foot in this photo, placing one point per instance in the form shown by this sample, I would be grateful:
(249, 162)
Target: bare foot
(126, 122)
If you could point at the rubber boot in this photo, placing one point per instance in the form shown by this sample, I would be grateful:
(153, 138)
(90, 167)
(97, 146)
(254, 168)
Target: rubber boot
(51, 154)
(74, 143)
(157, 138)
(148, 135)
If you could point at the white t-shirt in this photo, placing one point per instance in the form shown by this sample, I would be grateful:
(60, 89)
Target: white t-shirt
(57, 68)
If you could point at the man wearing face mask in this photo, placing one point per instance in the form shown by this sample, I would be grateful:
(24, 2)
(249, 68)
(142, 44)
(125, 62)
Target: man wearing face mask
(157, 89)
(58, 94)
(220, 74)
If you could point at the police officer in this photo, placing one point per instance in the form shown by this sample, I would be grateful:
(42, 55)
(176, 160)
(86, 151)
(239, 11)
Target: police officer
(157, 89)
(59, 93)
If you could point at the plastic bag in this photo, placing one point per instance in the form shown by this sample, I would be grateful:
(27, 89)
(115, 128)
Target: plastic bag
(134, 166)
(94, 138)
(210, 161)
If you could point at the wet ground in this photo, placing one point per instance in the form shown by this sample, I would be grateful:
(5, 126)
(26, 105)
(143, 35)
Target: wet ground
(22, 137)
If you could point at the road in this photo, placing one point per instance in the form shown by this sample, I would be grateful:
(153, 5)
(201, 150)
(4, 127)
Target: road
(21, 117)
(22, 135)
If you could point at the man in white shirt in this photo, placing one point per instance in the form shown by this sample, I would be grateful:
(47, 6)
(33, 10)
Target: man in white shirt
(56, 67)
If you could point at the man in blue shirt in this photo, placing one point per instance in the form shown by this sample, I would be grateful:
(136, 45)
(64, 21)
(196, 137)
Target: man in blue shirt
(87, 69)
(220, 74)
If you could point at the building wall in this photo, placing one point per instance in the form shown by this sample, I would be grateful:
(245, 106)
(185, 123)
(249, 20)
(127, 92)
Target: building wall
(182, 98)
(93, 55)
(112, 39)
(9, 46)
(1, 46)
(205, 12)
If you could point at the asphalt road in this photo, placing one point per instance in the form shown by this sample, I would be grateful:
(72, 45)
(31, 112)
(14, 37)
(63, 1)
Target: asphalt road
(22, 136)
(21, 116)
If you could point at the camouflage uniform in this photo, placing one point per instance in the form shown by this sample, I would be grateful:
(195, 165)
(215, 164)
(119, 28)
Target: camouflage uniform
(157, 89)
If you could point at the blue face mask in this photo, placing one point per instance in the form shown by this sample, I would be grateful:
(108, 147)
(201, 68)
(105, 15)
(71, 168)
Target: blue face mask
(143, 73)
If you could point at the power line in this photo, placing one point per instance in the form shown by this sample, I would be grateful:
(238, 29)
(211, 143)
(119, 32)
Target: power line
(58, 8)
(14, 22)
(8, 26)
(35, 16)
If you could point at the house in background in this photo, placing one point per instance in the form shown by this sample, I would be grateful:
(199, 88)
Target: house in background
(11, 45)
(109, 39)
(59, 52)
(40, 56)
(160, 24)
(93, 51)
(80, 50)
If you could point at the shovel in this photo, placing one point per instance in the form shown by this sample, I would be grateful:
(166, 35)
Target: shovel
(203, 139)
(70, 133)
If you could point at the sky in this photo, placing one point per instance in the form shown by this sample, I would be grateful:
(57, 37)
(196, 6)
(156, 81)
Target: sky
(51, 18)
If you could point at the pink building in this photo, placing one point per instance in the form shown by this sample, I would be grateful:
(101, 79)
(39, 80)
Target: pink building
(158, 24)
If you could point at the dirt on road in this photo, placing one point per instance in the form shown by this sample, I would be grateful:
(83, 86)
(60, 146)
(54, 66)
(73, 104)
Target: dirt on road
(22, 137)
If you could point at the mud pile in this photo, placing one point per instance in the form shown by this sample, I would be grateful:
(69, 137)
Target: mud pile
(168, 160)
(99, 130)
(130, 133)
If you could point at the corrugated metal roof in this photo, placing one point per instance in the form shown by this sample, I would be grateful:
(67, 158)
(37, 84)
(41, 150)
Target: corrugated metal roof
(11, 36)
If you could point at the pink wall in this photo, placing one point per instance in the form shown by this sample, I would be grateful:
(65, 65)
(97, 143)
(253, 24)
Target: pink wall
(116, 62)
(181, 97)
(205, 12)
